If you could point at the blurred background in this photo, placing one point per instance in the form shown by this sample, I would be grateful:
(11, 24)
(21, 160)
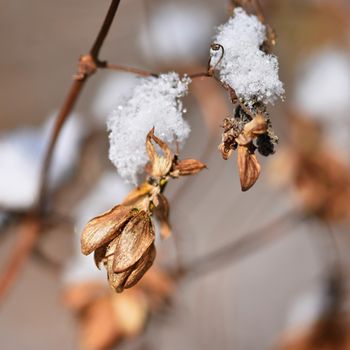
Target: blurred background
(280, 265)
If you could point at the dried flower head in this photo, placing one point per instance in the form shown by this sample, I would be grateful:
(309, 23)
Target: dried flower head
(240, 132)
(122, 239)
(241, 61)
(154, 102)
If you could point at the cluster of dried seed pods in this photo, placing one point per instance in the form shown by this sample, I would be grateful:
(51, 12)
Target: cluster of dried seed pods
(122, 239)
(250, 124)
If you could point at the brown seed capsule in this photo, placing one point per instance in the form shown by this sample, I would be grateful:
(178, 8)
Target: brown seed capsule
(128, 278)
(132, 242)
(249, 167)
(103, 228)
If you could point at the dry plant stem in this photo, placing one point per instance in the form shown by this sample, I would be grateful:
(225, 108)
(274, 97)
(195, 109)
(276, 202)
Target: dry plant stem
(28, 232)
(67, 107)
(71, 99)
(259, 10)
(332, 248)
(142, 72)
(31, 227)
(121, 68)
(249, 243)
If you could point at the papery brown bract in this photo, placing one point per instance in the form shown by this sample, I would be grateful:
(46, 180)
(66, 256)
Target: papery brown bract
(132, 242)
(248, 166)
(162, 214)
(104, 228)
(188, 167)
(160, 165)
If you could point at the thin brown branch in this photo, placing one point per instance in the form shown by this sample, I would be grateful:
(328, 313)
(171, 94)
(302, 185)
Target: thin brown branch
(96, 47)
(122, 68)
(142, 72)
(28, 232)
(259, 10)
(244, 246)
(200, 75)
(30, 228)
(68, 104)
(66, 108)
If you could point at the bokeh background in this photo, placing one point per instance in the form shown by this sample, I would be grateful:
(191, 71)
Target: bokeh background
(253, 297)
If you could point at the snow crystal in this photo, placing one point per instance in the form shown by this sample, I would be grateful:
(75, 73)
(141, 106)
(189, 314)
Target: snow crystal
(154, 102)
(323, 90)
(21, 157)
(108, 191)
(252, 73)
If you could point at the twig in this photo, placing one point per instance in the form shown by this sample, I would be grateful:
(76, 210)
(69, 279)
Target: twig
(142, 72)
(96, 47)
(28, 232)
(121, 68)
(67, 107)
(249, 243)
(72, 97)
(31, 227)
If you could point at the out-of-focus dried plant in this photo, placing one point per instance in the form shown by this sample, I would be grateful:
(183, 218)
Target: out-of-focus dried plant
(106, 318)
(320, 177)
(330, 331)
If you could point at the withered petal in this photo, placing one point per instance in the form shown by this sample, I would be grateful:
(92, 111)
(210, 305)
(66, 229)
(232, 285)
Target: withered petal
(152, 155)
(132, 243)
(162, 214)
(225, 152)
(248, 166)
(104, 228)
(256, 126)
(189, 167)
(160, 164)
(99, 255)
(141, 266)
(137, 194)
(116, 280)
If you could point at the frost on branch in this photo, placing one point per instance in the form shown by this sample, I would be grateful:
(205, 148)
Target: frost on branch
(252, 73)
(155, 102)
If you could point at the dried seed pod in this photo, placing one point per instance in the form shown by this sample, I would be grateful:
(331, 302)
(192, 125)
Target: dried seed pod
(248, 166)
(123, 238)
(128, 278)
(103, 228)
(141, 267)
(132, 242)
